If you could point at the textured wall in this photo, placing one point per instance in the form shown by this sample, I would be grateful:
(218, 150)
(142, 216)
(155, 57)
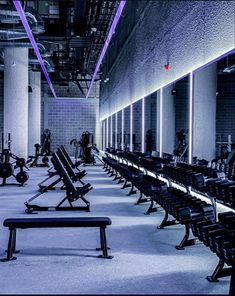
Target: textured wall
(187, 34)
(69, 118)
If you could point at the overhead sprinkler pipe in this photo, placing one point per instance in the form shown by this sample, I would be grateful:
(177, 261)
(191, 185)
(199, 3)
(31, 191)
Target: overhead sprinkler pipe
(33, 42)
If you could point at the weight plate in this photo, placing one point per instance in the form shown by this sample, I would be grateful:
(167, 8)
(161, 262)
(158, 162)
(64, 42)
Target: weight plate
(6, 170)
(22, 177)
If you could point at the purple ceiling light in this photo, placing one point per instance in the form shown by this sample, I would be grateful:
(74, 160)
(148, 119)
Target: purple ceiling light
(111, 31)
(33, 42)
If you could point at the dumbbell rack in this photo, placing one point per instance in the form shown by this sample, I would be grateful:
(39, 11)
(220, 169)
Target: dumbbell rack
(229, 258)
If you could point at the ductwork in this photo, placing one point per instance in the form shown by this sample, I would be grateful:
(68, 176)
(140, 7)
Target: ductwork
(8, 15)
(66, 76)
(50, 67)
(45, 51)
(12, 34)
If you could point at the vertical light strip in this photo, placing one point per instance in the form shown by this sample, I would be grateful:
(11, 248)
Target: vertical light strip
(191, 102)
(33, 42)
(103, 134)
(161, 122)
(143, 126)
(111, 131)
(116, 135)
(107, 132)
(111, 31)
(131, 127)
(122, 141)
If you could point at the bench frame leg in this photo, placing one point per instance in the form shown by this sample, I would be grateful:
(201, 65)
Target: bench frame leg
(219, 272)
(11, 246)
(103, 243)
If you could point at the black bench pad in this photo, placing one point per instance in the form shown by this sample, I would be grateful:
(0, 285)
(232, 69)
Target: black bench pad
(57, 222)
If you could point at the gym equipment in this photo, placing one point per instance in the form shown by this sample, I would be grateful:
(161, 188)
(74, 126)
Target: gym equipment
(7, 168)
(149, 141)
(34, 159)
(72, 193)
(74, 176)
(76, 144)
(18, 223)
(86, 144)
(182, 145)
(46, 142)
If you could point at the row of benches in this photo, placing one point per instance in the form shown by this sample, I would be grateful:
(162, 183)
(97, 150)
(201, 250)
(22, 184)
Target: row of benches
(68, 173)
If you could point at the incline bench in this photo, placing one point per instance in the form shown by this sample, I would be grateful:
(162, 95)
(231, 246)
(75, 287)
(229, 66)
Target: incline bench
(22, 223)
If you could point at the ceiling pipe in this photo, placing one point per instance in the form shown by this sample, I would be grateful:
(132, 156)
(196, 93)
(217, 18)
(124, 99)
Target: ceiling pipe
(110, 34)
(9, 16)
(33, 42)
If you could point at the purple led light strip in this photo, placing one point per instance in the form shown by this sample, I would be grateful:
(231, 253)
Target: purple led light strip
(33, 42)
(111, 31)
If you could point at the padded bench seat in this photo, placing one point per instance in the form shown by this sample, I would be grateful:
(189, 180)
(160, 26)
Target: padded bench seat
(21, 223)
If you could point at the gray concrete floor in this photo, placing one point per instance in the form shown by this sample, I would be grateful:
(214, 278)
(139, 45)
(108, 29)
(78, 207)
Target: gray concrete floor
(64, 261)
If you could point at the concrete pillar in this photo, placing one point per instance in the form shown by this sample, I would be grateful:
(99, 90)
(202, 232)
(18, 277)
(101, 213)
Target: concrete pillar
(168, 120)
(143, 127)
(16, 99)
(34, 128)
(204, 112)
(158, 131)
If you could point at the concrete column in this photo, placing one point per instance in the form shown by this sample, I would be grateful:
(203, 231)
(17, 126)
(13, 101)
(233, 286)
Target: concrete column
(204, 112)
(16, 99)
(143, 126)
(158, 131)
(131, 127)
(34, 128)
(168, 120)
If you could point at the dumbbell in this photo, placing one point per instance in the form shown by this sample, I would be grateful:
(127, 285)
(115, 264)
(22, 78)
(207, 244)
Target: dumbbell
(210, 185)
(225, 216)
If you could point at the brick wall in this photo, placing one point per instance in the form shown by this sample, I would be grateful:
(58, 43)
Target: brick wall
(69, 118)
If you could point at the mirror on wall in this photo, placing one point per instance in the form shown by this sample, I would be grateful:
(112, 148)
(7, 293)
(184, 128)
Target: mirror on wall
(127, 114)
(119, 129)
(113, 135)
(175, 115)
(137, 125)
(150, 123)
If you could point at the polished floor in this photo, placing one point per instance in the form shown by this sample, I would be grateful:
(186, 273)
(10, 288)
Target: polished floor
(64, 261)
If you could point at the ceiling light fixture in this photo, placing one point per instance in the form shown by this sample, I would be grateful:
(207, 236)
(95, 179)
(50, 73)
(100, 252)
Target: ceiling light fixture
(33, 42)
(111, 31)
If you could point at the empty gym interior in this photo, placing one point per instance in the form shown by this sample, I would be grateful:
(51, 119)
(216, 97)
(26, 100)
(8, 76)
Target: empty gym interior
(117, 118)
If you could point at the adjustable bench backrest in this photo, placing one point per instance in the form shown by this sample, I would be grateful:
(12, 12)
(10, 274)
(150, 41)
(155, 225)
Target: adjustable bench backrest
(67, 155)
(62, 173)
(66, 163)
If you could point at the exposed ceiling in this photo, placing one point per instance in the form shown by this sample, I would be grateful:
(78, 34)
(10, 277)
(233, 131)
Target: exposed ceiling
(70, 35)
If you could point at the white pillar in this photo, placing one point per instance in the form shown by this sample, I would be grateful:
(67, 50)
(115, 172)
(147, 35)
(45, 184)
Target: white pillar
(16, 99)
(204, 119)
(111, 131)
(131, 127)
(168, 120)
(122, 137)
(34, 129)
(116, 145)
(143, 127)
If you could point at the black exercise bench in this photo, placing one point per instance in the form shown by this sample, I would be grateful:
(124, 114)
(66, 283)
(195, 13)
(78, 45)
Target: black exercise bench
(21, 223)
